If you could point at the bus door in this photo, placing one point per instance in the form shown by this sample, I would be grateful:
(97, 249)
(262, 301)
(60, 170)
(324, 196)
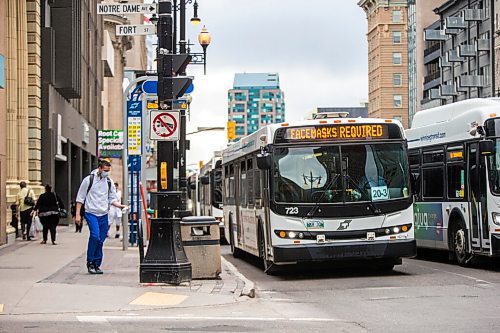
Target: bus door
(237, 197)
(477, 174)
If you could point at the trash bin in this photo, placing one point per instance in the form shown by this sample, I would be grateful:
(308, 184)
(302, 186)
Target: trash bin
(201, 240)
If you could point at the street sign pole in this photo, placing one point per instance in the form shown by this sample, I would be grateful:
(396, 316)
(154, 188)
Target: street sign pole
(165, 260)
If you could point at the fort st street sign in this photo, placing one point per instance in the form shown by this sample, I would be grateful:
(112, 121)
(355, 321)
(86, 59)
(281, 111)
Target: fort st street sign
(135, 30)
(125, 8)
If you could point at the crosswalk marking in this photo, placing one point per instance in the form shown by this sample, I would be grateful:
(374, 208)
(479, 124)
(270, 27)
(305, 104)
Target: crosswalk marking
(158, 299)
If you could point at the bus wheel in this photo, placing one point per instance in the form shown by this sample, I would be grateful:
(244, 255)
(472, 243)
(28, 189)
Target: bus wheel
(269, 267)
(237, 253)
(460, 244)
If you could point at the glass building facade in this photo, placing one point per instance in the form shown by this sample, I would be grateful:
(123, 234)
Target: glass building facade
(255, 101)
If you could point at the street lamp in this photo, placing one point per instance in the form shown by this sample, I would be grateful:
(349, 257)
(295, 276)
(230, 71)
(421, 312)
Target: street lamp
(204, 39)
(205, 129)
(195, 19)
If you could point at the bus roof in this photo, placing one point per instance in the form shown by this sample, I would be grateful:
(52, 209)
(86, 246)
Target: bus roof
(451, 122)
(210, 165)
(265, 135)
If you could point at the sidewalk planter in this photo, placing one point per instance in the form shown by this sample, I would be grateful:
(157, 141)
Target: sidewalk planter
(201, 240)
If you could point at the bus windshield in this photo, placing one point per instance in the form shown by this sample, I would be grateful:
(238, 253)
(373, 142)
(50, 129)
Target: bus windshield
(217, 187)
(334, 174)
(494, 169)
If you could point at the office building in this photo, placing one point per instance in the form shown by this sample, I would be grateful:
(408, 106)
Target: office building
(387, 58)
(255, 101)
(458, 58)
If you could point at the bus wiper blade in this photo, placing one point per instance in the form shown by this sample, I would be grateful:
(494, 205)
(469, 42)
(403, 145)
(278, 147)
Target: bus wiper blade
(313, 210)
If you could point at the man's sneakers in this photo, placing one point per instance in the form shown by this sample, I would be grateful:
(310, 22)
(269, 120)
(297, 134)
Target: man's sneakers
(93, 269)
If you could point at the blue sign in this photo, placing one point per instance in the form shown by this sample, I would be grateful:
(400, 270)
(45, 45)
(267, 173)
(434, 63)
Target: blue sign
(2, 71)
(150, 87)
(134, 163)
(190, 89)
(134, 108)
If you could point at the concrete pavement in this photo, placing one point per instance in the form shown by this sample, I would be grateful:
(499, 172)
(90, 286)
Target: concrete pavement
(42, 279)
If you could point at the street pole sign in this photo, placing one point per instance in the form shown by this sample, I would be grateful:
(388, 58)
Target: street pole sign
(164, 125)
(134, 124)
(125, 8)
(135, 30)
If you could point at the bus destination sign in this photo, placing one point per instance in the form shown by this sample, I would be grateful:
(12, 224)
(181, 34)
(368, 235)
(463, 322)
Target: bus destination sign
(337, 132)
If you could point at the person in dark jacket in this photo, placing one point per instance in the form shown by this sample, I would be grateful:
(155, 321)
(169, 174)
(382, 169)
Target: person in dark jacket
(47, 207)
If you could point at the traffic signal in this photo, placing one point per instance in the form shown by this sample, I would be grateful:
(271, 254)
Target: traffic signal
(173, 87)
(231, 130)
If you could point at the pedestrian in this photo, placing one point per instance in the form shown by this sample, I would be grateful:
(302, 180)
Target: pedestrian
(97, 193)
(47, 207)
(115, 213)
(78, 226)
(25, 201)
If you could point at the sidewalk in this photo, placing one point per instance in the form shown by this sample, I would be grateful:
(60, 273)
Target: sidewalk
(36, 278)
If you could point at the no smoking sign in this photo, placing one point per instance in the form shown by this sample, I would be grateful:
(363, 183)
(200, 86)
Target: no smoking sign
(164, 125)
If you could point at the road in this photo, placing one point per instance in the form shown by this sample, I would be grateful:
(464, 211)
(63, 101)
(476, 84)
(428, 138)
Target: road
(426, 294)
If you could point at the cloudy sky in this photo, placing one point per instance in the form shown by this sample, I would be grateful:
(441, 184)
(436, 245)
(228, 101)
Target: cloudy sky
(318, 48)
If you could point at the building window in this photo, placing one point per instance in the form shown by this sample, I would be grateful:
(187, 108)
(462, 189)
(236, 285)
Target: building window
(396, 16)
(396, 58)
(396, 37)
(397, 79)
(397, 101)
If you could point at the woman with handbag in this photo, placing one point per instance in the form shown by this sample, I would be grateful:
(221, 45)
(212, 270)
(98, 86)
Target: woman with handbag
(49, 208)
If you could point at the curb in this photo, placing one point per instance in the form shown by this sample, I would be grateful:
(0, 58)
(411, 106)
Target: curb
(249, 288)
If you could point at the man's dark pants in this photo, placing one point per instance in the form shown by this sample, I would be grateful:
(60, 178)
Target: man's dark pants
(26, 221)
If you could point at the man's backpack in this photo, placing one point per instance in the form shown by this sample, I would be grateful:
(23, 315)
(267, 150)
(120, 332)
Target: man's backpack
(91, 182)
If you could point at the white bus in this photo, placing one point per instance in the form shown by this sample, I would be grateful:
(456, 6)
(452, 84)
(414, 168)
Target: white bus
(457, 178)
(319, 190)
(210, 189)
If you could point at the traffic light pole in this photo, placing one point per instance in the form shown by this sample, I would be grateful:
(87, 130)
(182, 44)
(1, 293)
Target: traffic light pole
(182, 141)
(165, 260)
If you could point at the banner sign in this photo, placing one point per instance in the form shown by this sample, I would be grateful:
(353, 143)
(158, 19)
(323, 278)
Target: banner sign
(110, 143)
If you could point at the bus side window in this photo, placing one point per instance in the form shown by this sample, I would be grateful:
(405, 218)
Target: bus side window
(433, 183)
(257, 186)
(250, 182)
(231, 191)
(416, 183)
(243, 184)
(456, 181)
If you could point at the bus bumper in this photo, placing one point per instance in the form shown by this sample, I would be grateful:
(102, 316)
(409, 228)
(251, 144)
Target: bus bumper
(343, 251)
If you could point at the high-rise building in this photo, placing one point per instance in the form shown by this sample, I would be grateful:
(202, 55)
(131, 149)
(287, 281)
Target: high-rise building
(423, 56)
(255, 101)
(458, 55)
(387, 58)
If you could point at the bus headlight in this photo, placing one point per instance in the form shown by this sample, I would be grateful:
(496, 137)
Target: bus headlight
(496, 218)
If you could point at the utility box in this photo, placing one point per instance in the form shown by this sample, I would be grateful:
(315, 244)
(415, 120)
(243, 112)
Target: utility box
(201, 240)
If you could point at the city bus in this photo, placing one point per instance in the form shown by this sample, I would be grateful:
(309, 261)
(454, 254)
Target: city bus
(453, 156)
(210, 190)
(336, 188)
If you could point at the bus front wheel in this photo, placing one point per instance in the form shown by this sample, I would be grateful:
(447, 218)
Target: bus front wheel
(459, 238)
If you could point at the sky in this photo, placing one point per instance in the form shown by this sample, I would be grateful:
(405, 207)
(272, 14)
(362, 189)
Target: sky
(318, 48)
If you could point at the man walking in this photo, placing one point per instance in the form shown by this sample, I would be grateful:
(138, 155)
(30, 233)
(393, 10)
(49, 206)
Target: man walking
(25, 201)
(97, 193)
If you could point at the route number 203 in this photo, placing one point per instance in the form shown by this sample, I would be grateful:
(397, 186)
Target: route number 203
(380, 193)
(291, 210)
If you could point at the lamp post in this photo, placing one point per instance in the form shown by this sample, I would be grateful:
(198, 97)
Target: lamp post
(205, 129)
(204, 39)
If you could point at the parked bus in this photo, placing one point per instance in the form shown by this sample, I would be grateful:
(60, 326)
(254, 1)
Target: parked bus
(323, 189)
(210, 190)
(454, 157)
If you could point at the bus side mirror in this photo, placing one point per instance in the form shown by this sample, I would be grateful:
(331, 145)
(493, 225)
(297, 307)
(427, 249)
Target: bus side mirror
(205, 180)
(192, 185)
(264, 161)
(486, 147)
